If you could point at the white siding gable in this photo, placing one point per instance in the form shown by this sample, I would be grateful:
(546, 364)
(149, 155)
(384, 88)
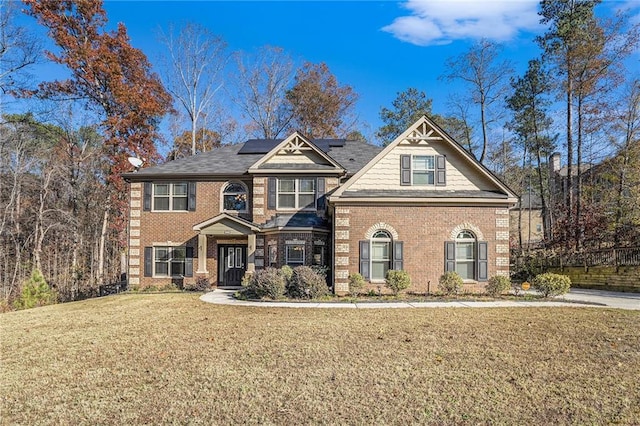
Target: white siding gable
(462, 175)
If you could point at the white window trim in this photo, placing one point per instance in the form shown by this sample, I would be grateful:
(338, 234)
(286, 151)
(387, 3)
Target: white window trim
(427, 170)
(286, 254)
(168, 262)
(297, 193)
(473, 240)
(388, 240)
(171, 196)
(246, 202)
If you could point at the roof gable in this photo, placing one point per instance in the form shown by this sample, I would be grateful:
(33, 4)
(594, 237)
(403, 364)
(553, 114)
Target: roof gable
(424, 137)
(296, 153)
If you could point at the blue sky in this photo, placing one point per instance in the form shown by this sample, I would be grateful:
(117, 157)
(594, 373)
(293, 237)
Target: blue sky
(378, 47)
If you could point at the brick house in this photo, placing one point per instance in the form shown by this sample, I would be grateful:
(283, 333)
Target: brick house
(421, 204)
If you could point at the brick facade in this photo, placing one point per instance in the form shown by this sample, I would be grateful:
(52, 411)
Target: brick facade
(423, 230)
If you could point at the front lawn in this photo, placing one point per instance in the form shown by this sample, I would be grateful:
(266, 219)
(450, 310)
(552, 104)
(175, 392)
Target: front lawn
(169, 358)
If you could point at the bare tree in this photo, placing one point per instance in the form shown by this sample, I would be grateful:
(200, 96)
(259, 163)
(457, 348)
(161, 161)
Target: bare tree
(193, 70)
(261, 88)
(18, 50)
(486, 78)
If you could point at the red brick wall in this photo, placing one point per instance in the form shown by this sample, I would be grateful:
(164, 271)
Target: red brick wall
(173, 228)
(424, 231)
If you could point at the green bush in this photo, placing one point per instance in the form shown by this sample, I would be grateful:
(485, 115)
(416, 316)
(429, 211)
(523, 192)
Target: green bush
(450, 283)
(200, 284)
(550, 284)
(35, 292)
(287, 273)
(356, 284)
(266, 283)
(498, 285)
(397, 280)
(306, 284)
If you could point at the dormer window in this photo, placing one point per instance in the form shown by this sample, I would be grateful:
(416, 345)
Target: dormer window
(234, 197)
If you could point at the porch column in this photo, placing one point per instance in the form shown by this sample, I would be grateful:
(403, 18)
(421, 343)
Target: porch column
(202, 254)
(251, 253)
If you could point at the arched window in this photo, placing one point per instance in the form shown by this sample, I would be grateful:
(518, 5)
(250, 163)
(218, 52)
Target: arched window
(466, 255)
(234, 197)
(380, 255)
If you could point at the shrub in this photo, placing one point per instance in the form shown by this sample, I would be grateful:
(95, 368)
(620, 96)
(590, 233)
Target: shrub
(287, 273)
(450, 282)
(498, 285)
(35, 292)
(356, 284)
(306, 284)
(550, 284)
(397, 280)
(266, 283)
(200, 284)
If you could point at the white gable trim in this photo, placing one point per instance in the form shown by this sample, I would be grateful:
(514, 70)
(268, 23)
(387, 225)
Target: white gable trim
(222, 216)
(295, 142)
(424, 130)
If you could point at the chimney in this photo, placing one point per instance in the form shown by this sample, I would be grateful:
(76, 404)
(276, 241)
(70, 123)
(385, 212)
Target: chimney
(554, 162)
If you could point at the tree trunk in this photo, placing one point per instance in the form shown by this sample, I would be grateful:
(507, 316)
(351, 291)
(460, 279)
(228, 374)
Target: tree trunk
(103, 238)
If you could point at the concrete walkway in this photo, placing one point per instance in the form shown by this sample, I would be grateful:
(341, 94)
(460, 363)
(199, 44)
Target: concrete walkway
(576, 298)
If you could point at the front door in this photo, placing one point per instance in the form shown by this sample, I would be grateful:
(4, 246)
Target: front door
(232, 264)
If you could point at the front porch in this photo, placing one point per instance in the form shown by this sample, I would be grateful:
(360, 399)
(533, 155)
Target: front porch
(226, 249)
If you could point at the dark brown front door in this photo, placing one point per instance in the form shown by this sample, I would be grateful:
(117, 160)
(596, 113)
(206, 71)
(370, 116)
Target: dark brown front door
(232, 264)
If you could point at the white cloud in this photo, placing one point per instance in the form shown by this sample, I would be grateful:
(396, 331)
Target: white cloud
(442, 21)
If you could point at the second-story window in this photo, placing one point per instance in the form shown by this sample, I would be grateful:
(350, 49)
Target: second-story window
(297, 193)
(235, 197)
(170, 196)
(423, 170)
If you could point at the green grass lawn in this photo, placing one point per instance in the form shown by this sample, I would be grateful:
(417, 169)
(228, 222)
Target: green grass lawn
(169, 358)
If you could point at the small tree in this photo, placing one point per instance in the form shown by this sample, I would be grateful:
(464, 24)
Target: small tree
(450, 282)
(397, 280)
(35, 292)
(550, 284)
(356, 284)
(498, 285)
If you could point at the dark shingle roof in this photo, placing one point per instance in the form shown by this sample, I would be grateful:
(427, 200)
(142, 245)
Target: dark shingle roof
(296, 220)
(371, 193)
(228, 160)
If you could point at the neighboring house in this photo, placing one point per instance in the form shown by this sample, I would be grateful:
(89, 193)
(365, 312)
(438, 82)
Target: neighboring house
(422, 204)
(527, 216)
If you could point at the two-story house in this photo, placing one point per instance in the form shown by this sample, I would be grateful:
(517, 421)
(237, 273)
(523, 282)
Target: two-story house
(421, 204)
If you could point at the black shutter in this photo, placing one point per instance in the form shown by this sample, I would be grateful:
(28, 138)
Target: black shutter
(449, 256)
(147, 188)
(188, 263)
(405, 170)
(192, 197)
(483, 261)
(320, 193)
(148, 261)
(398, 253)
(364, 259)
(441, 170)
(271, 193)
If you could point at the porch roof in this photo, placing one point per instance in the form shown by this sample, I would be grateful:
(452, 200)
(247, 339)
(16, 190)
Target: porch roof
(225, 224)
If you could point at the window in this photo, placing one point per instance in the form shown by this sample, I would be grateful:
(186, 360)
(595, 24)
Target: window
(169, 261)
(294, 255)
(380, 255)
(235, 197)
(466, 255)
(423, 170)
(296, 193)
(170, 196)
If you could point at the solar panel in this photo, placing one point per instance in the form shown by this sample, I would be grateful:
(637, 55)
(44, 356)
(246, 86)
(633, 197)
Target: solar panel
(259, 146)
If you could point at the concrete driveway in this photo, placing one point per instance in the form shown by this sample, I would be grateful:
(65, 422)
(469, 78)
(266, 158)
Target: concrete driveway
(610, 299)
